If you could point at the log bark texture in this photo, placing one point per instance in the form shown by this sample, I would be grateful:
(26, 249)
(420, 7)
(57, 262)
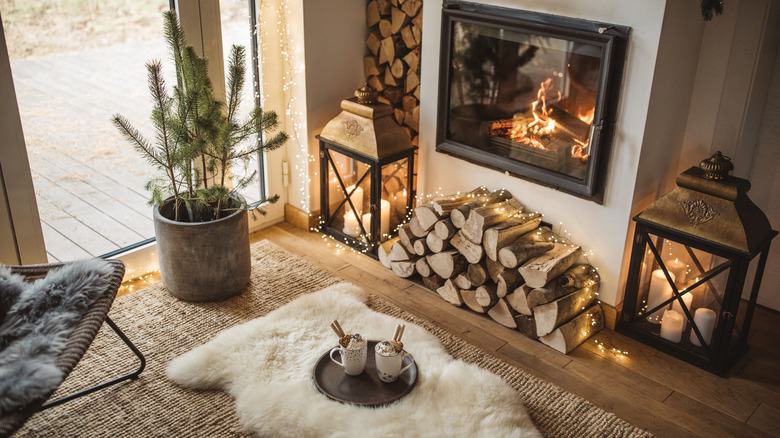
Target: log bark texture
(383, 252)
(447, 264)
(437, 244)
(445, 204)
(433, 282)
(482, 218)
(450, 293)
(570, 335)
(540, 270)
(469, 297)
(460, 214)
(551, 315)
(473, 252)
(501, 235)
(394, 38)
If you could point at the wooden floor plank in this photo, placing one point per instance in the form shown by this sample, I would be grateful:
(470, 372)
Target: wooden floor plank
(767, 419)
(59, 248)
(704, 419)
(82, 236)
(685, 378)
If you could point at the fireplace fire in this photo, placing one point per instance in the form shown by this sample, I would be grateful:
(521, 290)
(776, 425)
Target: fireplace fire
(531, 94)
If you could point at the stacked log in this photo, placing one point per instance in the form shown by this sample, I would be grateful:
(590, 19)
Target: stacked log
(392, 65)
(481, 250)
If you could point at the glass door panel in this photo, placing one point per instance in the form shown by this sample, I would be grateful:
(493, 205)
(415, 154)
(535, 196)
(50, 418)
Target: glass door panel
(74, 65)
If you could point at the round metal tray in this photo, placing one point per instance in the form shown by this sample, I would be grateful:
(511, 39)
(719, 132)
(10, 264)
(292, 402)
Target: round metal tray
(364, 389)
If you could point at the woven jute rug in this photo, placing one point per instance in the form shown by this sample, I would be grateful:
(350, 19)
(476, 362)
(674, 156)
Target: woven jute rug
(164, 327)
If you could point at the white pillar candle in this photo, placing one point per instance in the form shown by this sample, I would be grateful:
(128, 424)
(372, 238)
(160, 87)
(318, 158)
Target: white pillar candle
(688, 300)
(367, 222)
(351, 225)
(705, 321)
(357, 198)
(660, 291)
(384, 217)
(672, 326)
(679, 269)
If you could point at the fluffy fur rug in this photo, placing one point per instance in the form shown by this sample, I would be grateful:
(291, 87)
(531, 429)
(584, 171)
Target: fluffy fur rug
(35, 322)
(266, 365)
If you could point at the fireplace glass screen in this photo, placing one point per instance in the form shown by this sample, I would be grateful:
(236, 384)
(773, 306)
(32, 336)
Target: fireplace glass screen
(527, 93)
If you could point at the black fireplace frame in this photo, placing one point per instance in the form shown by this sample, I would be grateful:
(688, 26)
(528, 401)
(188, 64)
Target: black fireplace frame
(612, 39)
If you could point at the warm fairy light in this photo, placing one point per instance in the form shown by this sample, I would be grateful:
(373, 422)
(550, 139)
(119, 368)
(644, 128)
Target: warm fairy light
(279, 46)
(611, 350)
(140, 282)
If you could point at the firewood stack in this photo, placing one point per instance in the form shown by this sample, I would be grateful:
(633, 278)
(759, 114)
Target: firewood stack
(481, 250)
(393, 63)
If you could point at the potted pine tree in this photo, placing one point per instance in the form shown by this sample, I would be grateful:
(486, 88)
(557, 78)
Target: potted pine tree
(200, 220)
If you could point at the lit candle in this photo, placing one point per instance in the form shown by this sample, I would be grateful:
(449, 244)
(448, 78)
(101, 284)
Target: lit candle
(351, 225)
(660, 291)
(688, 300)
(367, 222)
(672, 326)
(385, 217)
(357, 198)
(678, 268)
(705, 321)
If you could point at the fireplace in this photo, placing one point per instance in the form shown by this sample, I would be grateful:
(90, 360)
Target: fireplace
(530, 94)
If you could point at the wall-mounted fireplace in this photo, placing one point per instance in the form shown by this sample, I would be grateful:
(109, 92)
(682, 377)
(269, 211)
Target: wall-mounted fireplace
(531, 94)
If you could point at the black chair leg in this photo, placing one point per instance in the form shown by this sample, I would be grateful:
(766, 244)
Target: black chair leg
(132, 375)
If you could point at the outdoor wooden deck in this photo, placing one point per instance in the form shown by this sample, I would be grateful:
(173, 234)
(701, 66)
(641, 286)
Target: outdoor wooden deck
(89, 182)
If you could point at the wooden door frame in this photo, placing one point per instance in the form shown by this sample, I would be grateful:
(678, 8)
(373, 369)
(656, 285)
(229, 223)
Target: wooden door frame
(20, 223)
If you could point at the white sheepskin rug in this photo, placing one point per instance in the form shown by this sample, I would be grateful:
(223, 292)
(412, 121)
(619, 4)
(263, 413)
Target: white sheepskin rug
(266, 365)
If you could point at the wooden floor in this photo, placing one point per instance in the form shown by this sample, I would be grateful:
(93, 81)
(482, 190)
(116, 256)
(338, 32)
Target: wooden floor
(648, 388)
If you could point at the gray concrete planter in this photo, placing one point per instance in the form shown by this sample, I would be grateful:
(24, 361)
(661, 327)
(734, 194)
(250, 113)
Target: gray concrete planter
(203, 261)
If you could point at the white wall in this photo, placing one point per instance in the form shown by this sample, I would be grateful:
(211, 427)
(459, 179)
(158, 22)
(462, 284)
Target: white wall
(335, 32)
(735, 109)
(765, 176)
(602, 229)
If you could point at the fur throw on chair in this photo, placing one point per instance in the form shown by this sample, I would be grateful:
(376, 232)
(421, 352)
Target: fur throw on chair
(35, 322)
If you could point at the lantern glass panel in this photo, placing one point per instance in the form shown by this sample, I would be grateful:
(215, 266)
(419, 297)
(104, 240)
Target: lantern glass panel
(354, 176)
(700, 278)
(395, 196)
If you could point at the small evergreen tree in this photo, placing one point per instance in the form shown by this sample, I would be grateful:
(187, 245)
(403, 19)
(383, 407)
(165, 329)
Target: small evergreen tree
(192, 124)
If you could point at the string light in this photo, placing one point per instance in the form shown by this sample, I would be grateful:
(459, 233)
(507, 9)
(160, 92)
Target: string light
(276, 37)
(138, 283)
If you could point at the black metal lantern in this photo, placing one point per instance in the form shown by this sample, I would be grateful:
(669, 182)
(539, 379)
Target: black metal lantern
(695, 251)
(366, 173)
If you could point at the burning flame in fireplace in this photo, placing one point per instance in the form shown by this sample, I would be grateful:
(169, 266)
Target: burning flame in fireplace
(542, 123)
(538, 128)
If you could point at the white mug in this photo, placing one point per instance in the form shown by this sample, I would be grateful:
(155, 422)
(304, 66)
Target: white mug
(353, 360)
(389, 367)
